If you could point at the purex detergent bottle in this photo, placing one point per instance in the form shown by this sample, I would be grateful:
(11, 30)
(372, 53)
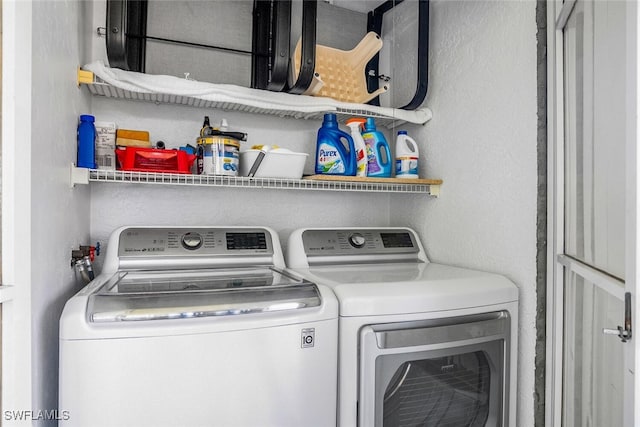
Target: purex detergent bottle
(335, 150)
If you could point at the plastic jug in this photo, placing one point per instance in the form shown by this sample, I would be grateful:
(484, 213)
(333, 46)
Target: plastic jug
(406, 156)
(335, 150)
(378, 152)
(87, 142)
(358, 142)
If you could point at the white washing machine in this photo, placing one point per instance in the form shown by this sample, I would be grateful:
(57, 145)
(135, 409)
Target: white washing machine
(420, 344)
(198, 326)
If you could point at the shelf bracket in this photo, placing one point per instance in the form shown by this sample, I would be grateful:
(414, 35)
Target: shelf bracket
(78, 176)
(434, 190)
(85, 77)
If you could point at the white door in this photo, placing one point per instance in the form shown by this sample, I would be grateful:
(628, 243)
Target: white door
(593, 186)
(15, 296)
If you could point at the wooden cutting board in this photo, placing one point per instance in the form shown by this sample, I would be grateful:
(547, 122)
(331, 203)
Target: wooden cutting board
(340, 74)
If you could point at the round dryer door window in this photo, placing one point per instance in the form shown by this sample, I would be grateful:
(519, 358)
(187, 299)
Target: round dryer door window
(443, 391)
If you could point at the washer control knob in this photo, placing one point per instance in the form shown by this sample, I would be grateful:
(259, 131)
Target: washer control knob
(191, 241)
(357, 240)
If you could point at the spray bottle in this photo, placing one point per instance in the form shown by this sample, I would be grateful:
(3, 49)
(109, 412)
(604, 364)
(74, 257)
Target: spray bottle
(360, 147)
(206, 127)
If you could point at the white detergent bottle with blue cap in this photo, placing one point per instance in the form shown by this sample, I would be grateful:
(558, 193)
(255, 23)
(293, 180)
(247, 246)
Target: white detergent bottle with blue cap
(407, 156)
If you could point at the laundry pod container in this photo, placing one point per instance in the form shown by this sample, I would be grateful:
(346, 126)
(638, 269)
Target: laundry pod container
(219, 155)
(274, 163)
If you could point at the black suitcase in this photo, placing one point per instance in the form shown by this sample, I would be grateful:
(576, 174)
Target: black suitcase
(241, 42)
(250, 42)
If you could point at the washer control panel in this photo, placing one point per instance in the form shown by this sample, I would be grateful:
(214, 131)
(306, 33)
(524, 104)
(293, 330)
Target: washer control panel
(359, 242)
(156, 242)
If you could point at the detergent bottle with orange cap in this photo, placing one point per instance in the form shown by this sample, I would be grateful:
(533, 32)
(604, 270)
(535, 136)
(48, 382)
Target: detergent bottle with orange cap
(355, 125)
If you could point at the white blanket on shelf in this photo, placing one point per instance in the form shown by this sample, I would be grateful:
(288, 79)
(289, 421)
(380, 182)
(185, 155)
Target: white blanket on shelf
(225, 93)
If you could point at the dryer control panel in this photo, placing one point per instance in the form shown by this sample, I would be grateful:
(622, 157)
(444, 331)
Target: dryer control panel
(359, 242)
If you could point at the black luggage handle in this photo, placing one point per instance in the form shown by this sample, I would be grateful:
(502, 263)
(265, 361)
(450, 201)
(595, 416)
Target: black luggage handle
(271, 39)
(124, 18)
(308, 55)
(374, 23)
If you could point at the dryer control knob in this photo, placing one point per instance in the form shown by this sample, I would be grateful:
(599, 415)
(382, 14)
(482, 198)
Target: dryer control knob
(357, 240)
(191, 241)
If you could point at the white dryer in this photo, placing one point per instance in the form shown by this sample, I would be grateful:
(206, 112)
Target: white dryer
(198, 326)
(420, 344)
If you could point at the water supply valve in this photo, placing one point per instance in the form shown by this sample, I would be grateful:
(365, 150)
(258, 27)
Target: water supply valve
(81, 260)
(85, 251)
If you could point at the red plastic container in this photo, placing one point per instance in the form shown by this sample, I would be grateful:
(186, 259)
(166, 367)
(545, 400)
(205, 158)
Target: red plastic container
(154, 160)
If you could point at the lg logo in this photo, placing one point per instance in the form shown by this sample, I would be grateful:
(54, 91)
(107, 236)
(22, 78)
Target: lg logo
(308, 337)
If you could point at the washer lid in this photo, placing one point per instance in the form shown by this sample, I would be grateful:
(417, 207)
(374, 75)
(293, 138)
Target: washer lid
(155, 295)
(403, 288)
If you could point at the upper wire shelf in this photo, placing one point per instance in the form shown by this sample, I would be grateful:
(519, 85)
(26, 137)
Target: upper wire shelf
(384, 116)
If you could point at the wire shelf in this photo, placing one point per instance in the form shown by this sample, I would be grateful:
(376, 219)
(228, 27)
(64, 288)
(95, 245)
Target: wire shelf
(84, 176)
(100, 88)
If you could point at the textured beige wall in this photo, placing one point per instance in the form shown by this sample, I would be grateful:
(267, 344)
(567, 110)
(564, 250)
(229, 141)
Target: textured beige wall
(483, 94)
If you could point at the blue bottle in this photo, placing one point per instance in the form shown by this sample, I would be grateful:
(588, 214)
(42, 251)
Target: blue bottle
(87, 142)
(335, 150)
(378, 152)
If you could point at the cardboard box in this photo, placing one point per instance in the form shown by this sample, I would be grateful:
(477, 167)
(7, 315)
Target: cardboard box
(106, 145)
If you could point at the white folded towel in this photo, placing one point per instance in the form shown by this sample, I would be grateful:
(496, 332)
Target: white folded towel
(225, 93)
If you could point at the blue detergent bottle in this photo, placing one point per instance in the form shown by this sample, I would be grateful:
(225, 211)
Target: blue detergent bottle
(335, 150)
(378, 152)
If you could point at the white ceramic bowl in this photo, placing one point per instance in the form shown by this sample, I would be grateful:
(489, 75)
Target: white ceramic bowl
(277, 163)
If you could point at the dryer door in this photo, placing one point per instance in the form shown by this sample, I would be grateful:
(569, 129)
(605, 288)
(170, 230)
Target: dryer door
(444, 372)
